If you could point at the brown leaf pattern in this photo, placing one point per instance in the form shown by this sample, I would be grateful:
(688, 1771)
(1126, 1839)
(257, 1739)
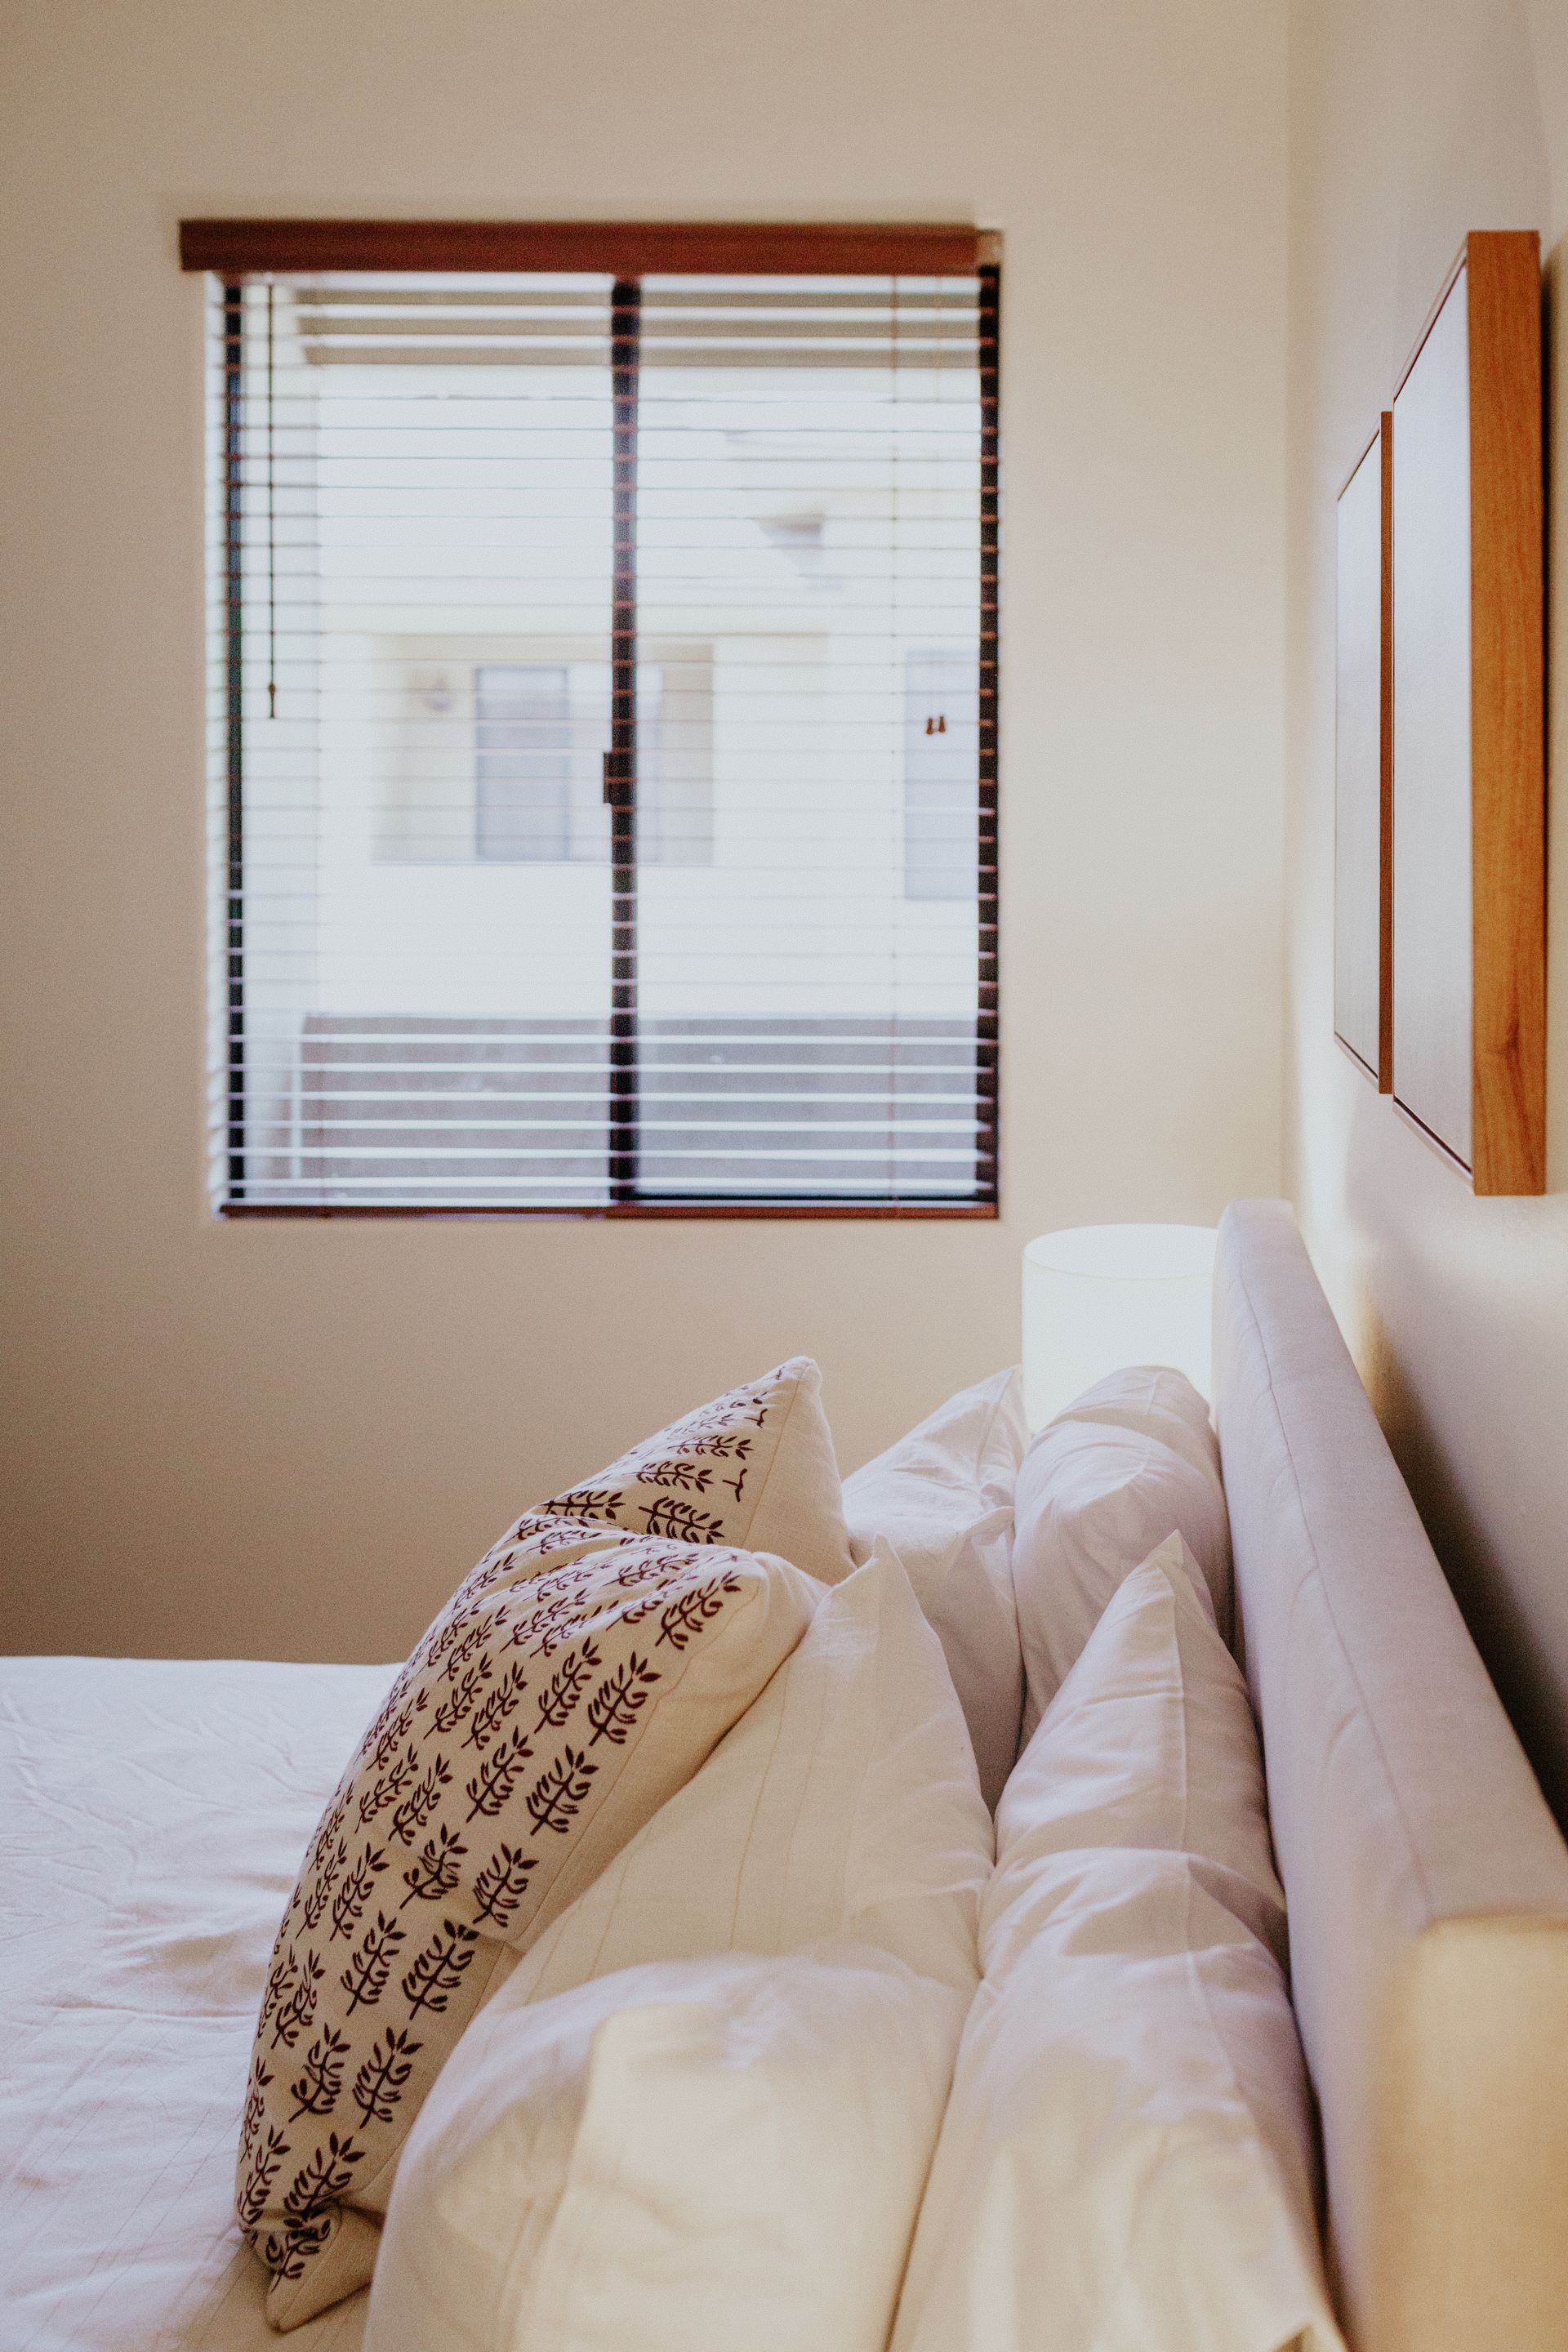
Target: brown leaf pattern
(439, 1869)
(421, 1800)
(497, 1777)
(422, 1866)
(297, 1995)
(692, 1477)
(328, 1870)
(709, 1457)
(263, 2168)
(688, 1613)
(318, 2086)
(588, 1503)
(309, 2206)
(356, 1890)
(371, 1963)
(556, 1797)
(501, 1885)
(440, 1968)
(383, 2079)
(683, 1520)
(250, 2121)
(389, 1786)
(566, 1685)
(619, 1700)
(461, 1702)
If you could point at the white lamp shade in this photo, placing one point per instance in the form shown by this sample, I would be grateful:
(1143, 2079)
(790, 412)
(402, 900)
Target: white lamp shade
(1099, 1297)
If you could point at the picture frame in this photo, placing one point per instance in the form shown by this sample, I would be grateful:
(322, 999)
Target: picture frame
(1468, 864)
(1364, 774)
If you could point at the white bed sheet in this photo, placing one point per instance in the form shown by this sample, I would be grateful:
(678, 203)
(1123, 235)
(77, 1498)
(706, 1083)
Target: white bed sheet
(152, 1820)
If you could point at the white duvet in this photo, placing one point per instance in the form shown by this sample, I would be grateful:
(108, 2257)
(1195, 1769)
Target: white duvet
(152, 1820)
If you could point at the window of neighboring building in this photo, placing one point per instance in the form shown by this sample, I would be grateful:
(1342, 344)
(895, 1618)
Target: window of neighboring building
(529, 740)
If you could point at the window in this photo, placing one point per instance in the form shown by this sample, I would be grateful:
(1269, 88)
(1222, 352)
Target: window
(602, 681)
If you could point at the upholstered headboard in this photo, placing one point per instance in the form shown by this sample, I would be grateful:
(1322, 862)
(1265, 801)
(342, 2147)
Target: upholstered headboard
(1427, 1881)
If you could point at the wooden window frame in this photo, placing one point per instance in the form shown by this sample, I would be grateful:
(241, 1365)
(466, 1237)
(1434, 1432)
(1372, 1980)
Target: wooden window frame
(629, 250)
(233, 249)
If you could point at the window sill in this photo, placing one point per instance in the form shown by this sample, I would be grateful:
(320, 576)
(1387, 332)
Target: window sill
(835, 1210)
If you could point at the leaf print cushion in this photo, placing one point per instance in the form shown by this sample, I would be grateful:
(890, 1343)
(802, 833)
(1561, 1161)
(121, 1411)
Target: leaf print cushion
(756, 1468)
(578, 1678)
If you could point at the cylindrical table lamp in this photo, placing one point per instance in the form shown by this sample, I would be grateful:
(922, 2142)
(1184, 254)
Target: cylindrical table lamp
(1097, 1297)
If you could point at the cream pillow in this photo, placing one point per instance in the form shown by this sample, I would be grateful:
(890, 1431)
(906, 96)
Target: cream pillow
(1098, 1491)
(576, 1679)
(844, 1803)
(943, 1499)
(755, 1468)
(1126, 2160)
(692, 2156)
(841, 1817)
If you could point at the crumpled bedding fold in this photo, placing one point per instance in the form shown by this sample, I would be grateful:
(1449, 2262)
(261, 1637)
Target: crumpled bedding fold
(153, 1816)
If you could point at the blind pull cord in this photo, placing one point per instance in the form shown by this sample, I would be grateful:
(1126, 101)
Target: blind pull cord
(271, 529)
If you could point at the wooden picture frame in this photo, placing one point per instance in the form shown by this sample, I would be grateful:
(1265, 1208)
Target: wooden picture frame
(1364, 767)
(1469, 722)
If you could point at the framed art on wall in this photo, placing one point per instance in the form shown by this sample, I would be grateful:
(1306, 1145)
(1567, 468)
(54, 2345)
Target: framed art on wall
(1468, 750)
(1364, 1005)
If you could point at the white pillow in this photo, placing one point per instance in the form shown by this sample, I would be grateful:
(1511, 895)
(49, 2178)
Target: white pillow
(943, 1499)
(1160, 1402)
(1126, 2162)
(1149, 1742)
(686, 2157)
(1100, 1489)
(842, 1807)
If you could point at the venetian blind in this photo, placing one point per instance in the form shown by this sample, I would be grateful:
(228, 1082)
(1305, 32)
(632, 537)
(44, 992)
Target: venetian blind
(601, 694)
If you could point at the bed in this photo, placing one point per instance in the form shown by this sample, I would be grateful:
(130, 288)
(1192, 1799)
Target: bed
(1427, 1888)
(129, 2033)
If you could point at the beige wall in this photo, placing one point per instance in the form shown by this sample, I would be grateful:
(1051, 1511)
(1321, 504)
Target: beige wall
(292, 1439)
(1412, 121)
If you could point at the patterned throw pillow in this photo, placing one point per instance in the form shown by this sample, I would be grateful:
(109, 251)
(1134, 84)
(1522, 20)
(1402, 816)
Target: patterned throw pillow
(755, 1468)
(577, 1679)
